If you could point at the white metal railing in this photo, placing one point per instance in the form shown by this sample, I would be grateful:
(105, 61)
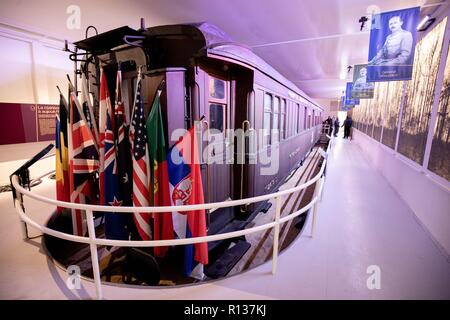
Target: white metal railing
(93, 241)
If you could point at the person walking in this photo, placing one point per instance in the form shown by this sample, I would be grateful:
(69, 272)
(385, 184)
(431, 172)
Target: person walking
(336, 126)
(347, 126)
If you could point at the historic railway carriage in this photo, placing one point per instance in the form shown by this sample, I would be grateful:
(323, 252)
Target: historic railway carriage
(210, 78)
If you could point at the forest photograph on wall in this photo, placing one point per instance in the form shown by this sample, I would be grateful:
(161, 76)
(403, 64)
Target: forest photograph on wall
(419, 95)
(391, 114)
(440, 148)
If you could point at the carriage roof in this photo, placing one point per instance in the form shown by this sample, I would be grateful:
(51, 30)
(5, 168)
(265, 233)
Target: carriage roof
(207, 39)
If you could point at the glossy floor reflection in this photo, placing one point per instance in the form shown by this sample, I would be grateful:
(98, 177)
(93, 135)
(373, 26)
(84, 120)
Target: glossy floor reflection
(361, 222)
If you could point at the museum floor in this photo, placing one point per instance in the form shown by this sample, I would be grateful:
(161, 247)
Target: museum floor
(361, 222)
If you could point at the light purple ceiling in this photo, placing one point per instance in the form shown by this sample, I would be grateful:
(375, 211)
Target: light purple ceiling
(322, 36)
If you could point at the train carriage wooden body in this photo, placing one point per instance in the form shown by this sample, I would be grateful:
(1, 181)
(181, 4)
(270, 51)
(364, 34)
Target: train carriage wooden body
(212, 79)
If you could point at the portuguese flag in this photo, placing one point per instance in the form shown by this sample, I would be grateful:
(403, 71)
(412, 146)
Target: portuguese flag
(159, 177)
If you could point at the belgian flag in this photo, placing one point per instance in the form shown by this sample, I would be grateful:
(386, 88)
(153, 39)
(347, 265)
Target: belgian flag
(159, 177)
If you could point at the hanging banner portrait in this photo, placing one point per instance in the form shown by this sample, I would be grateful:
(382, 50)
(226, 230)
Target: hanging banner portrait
(362, 89)
(392, 44)
(347, 107)
(349, 100)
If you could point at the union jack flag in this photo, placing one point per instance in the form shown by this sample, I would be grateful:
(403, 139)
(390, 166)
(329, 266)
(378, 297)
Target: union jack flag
(83, 162)
(138, 140)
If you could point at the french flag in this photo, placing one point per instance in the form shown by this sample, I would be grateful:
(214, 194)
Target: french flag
(186, 188)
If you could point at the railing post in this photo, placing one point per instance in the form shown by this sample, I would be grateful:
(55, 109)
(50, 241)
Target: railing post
(322, 181)
(316, 198)
(94, 254)
(276, 235)
(24, 230)
(23, 224)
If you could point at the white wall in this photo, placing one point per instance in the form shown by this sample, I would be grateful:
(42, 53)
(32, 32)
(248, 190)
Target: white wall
(31, 68)
(331, 107)
(15, 76)
(428, 199)
(51, 66)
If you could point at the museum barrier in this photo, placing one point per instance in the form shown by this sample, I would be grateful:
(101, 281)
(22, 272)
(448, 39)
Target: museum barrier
(93, 241)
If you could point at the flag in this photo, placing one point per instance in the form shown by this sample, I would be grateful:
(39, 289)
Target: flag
(105, 105)
(61, 156)
(138, 140)
(83, 162)
(186, 189)
(159, 178)
(115, 223)
(87, 108)
(123, 145)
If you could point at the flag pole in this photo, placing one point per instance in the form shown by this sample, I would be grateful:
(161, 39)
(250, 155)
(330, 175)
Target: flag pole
(64, 99)
(85, 95)
(71, 87)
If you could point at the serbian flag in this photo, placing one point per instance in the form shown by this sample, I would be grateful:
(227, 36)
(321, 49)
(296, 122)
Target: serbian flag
(159, 178)
(62, 157)
(186, 189)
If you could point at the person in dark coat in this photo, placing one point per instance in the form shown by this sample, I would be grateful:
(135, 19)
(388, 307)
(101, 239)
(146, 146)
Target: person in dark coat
(336, 126)
(347, 126)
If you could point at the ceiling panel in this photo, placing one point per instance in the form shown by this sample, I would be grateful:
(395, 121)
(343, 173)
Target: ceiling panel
(308, 41)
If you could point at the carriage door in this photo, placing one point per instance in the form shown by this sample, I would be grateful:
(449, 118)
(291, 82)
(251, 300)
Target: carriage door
(218, 153)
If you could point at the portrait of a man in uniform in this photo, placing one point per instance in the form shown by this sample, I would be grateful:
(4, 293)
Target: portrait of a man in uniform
(398, 46)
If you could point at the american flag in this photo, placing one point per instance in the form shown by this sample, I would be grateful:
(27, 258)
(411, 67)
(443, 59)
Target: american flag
(83, 162)
(138, 139)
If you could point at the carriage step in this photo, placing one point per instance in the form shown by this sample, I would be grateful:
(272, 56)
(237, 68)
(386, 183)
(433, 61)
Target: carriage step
(266, 206)
(223, 265)
(231, 226)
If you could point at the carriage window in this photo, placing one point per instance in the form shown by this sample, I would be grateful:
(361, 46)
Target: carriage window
(216, 88)
(294, 117)
(216, 115)
(275, 120)
(266, 119)
(305, 125)
(283, 119)
(297, 119)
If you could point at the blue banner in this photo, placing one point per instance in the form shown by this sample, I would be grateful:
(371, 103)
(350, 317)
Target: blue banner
(392, 44)
(349, 100)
